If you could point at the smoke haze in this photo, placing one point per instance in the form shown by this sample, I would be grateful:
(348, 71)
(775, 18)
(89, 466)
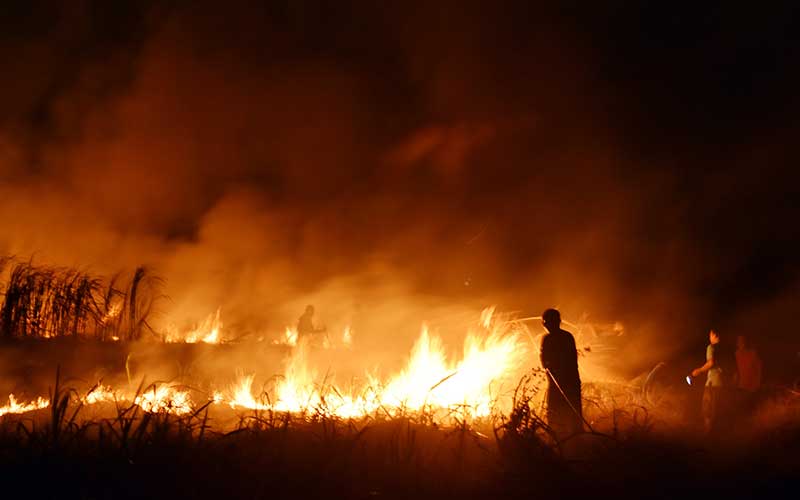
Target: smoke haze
(399, 163)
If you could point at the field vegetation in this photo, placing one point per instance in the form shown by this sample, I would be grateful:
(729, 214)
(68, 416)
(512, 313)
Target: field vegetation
(641, 441)
(119, 450)
(46, 302)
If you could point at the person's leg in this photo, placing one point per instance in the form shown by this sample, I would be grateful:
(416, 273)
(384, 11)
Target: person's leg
(559, 414)
(709, 408)
(577, 411)
(727, 413)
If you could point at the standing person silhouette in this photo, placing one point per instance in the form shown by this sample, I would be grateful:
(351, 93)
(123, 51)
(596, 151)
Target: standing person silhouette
(305, 324)
(748, 376)
(560, 358)
(748, 366)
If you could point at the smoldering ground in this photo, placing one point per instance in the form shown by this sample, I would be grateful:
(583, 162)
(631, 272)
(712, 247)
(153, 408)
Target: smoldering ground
(401, 162)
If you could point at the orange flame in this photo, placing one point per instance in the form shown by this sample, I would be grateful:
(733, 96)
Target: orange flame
(15, 407)
(465, 388)
(207, 331)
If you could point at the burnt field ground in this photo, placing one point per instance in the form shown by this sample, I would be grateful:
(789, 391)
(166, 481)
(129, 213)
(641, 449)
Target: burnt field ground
(116, 450)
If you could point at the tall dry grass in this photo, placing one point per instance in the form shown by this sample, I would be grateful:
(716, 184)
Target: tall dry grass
(40, 301)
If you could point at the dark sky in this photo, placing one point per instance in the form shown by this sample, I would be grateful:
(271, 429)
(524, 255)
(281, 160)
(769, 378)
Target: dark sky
(625, 159)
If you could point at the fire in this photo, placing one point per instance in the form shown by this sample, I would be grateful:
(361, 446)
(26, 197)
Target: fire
(429, 380)
(296, 392)
(14, 407)
(241, 395)
(347, 337)
(486, 317)
(99, 394)
(156, 399)
(426, 368)
(164, 399)
(207, 331)
(465, 388)
(290, 336)
(113, 312)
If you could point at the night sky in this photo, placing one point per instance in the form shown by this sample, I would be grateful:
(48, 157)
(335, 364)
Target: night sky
(625, 160)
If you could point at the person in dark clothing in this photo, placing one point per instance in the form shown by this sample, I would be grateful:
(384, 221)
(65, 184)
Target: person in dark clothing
(748, 366)
(305, 324)
(747, 379)
(560, 358)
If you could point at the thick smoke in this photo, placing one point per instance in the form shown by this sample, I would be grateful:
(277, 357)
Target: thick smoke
(393, 166)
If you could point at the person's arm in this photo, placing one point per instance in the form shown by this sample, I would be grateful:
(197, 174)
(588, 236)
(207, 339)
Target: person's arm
(707, 366)
(543, 355)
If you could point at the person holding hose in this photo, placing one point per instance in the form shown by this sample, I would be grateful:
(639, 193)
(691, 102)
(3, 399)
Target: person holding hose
(559, 358)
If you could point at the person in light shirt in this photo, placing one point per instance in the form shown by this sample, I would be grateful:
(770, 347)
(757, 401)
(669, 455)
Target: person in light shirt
(712, 393)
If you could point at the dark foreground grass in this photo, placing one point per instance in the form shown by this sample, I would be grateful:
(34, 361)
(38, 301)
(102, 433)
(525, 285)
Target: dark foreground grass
(55, 453)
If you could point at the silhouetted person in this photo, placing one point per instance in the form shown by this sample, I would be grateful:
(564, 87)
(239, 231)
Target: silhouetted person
(748, 375)
(748, 366)
(712, 392)
(560, 358)
(305, 324)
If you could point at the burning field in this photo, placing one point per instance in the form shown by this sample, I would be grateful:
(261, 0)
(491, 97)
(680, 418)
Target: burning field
(309, 375)
(302, 248)
(101, 331)
(463, 389)
(96, 390)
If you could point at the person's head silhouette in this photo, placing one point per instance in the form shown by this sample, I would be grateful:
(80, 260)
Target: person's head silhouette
(310, 310)
(551, 319)
(741, 342)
